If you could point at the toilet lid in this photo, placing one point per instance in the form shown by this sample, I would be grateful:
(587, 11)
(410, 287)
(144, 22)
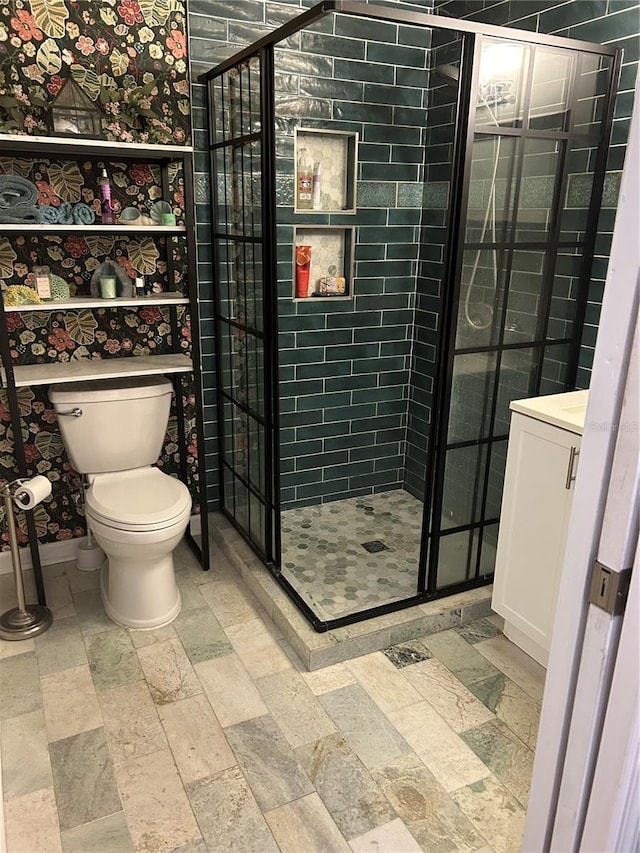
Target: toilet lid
(145, 499)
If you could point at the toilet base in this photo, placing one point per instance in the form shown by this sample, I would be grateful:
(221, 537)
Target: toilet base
(135, 602)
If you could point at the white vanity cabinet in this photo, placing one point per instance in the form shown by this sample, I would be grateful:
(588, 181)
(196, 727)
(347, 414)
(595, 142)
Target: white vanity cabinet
(542, 459)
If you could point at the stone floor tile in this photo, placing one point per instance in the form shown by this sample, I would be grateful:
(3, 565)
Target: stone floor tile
(112, 659)
(390, 836)
(495, 814)
(158, 813)
(347, 789)
(300, 715)
(434, 819)
(305, 825)
(168, 671)
(90, 610)
(270, 766)
(328, 678)
(448, 757)
(131, 722)
(505, 754)
(233, 695)
(460, 657)
(229, 603)
(190, 594)
(60, 647)
(256, 648)
(451, 699)
(406, 653)
(369, 733)
(198, 744)
(480, 629)
(105, 835)
(201, 635)
(79, 580)
(385, 684)
(11, 648)
(31, 823)
(25, 755)
(141, 637)
(228, 814)
(515, 664)
(511, 705)
(70, 703)
(20, 691)
(59, 600)
(83, 779)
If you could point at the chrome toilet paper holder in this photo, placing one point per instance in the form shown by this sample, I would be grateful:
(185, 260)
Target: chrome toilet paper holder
(25, 620)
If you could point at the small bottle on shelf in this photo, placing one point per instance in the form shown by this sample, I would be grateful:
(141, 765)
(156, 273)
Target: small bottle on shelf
(317, 187)
(139, 286)
(105, 204)
(304, 190)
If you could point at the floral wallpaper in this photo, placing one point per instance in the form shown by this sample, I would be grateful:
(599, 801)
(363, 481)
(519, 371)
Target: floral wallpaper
(129, 61)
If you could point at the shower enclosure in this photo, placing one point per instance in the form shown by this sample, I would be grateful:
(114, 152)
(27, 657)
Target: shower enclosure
(373, 327)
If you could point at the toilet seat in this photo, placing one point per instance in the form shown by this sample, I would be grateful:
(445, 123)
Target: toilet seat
(144, 499)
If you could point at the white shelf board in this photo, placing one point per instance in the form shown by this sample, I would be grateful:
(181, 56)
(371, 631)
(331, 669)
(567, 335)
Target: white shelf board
(81, 370)
(96, 302)
(83, 147)
(47, 228)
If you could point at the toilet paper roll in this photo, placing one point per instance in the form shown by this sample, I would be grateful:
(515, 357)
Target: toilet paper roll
(30, 494)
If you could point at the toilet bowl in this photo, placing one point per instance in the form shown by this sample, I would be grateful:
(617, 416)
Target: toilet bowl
(113, 432)
(138, 517)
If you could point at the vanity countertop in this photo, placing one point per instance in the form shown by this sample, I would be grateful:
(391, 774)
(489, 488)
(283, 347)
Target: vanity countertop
(566, 411)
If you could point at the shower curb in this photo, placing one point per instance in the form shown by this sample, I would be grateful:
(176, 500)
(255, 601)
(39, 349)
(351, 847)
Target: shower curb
(317, 650)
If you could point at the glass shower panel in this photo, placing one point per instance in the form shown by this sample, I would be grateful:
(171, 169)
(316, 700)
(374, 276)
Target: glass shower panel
(524, 304)
(463, 483)
(550, 90)
(541, 163)
(491, 189)
(481, 295)
(457, 557)
(471, 395)
(501, 83)
(518, 375)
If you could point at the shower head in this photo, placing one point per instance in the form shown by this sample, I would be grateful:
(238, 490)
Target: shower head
(449, 72)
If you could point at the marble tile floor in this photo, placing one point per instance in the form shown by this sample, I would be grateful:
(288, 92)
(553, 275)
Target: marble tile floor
(210, 734)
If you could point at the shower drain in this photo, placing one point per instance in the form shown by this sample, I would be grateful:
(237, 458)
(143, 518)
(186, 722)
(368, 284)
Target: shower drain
(374, 546)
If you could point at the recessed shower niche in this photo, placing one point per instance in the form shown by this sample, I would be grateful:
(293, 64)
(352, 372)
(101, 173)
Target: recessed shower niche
(384, 417)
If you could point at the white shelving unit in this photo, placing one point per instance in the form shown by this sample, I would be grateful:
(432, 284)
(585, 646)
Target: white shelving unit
(54, 228)
(79, 370)
(76, 302)
(15, 376)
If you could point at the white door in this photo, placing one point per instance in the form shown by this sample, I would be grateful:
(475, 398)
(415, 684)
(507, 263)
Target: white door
(578, 796)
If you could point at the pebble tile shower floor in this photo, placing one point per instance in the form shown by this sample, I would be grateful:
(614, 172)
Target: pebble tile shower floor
(209, 735)
(330, 555)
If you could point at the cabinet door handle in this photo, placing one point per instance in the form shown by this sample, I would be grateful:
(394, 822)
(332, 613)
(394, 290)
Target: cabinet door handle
(571, 476)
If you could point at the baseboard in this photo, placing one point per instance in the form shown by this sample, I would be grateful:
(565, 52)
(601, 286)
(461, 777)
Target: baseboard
(61, 552)
(50, 552)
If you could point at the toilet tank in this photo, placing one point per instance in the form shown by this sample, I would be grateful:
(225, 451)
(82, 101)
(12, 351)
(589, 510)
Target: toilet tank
(122, 422)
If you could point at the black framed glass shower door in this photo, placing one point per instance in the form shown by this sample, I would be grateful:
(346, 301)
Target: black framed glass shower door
(241, 247)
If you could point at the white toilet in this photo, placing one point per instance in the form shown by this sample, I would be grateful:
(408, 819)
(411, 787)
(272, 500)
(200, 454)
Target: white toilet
(113, 430)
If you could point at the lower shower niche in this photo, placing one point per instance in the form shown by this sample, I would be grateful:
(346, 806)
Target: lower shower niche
(323, 263)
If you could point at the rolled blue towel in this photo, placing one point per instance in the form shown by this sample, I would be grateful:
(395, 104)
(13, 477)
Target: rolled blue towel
(65, 213)
(47, 214)
(83, 214)
(18, 198)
